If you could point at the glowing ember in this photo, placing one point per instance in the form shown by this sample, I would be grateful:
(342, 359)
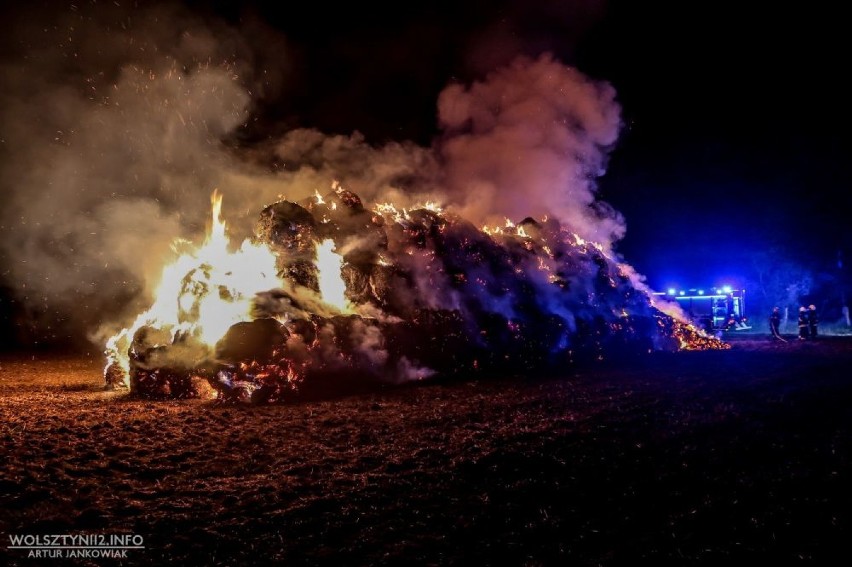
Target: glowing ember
(399, 215)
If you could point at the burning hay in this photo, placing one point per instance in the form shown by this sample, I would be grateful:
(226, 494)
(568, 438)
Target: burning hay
(331, 295)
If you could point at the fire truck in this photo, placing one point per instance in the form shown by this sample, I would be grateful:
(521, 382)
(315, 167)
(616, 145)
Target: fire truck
(713, 309)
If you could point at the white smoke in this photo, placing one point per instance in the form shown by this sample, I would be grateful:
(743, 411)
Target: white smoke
(117, 124)
(532, 137)
(113, 122)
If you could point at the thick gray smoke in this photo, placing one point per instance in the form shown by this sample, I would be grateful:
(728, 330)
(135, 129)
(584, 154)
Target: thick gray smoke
(532, 137)
(118, 123)
(113, 123)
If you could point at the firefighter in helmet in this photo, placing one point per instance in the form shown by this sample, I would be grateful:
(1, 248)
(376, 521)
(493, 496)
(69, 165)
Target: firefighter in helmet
(804, 329)
(813, 321)
(775, 323)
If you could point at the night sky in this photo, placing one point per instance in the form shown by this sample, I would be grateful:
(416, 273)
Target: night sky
(735, 117)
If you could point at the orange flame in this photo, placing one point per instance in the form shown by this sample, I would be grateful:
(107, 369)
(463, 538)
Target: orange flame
(331, 284)
(203, 291)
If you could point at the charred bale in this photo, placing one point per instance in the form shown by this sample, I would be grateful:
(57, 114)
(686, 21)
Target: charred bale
(162, 367)
(287, 226)
(257, 340)
(291, 230)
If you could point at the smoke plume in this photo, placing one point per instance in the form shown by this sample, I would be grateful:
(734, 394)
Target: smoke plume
(532, 137)
(119, 122)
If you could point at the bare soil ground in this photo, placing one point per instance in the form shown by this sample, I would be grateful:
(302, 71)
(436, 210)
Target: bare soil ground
(708, 458)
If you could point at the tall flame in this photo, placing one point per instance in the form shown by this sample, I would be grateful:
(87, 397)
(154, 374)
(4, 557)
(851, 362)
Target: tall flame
(203, 291)
(331, 284)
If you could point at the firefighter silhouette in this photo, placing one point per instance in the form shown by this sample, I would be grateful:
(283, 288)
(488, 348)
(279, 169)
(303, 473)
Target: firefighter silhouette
(813, 321)
(804, 330)
(775, 323)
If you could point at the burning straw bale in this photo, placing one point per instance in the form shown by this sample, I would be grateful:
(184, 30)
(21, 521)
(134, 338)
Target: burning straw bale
(422, 292)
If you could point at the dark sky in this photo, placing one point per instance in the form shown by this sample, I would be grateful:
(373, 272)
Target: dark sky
(735, 114)
(738, 122)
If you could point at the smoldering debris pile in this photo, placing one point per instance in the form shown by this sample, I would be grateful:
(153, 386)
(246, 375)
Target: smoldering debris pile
(429, 294)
